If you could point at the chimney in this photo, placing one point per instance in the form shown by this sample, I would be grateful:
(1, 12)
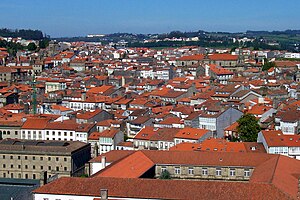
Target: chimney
(104, 194)
(83, 96)
(103, 161)
(96, 149)
(123, 81)
(206, 70)
(43, 179)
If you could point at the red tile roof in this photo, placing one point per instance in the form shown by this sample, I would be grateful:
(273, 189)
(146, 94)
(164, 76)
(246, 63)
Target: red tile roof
(193, 57)
(35, 123)
(145, 134)
(132, 166)
(277, 139)
(223, 56)
(191, 133)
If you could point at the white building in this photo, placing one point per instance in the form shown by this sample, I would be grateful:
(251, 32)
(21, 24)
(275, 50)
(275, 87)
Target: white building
(277, 143)
(288, 122)
(109, 139)
(54, 85)
(43, 129)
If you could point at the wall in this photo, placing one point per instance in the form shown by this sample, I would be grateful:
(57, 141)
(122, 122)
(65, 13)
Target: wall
(227, 118)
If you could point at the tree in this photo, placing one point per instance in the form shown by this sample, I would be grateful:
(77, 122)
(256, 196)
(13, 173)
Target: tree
(43, 43)
(165, 174)
(31, 46)
(268, 65)
(248, 128)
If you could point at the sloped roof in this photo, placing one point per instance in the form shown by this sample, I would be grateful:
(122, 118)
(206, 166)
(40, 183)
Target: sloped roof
(35, 123)
(132, 166)
(162, 189)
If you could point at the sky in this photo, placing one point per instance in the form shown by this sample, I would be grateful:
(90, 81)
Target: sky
(68, 18)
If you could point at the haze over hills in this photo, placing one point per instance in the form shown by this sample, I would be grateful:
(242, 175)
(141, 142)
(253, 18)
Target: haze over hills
(281, 40)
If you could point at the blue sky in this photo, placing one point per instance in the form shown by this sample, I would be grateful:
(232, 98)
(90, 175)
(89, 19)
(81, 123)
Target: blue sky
(81, 17)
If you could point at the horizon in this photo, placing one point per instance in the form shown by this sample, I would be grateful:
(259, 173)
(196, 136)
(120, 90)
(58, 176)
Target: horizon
(218, 31)
(77, 19)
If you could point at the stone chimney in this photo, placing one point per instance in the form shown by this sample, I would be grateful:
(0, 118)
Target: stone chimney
(83, 96)
(206, 70)
(104, 194)
(96, 149)
(103, 161)
(43, 179)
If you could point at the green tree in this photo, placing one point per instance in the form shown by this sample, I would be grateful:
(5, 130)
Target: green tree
(165, 174)
(43, 43)
(268, 65)
(31, 46)
(248, 128)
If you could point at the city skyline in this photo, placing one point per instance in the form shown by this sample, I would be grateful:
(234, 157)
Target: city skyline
(75, 18)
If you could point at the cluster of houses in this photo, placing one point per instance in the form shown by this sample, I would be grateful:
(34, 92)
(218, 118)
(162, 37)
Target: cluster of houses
(136, 107)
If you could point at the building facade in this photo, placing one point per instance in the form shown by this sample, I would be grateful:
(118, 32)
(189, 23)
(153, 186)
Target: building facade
(27, 159)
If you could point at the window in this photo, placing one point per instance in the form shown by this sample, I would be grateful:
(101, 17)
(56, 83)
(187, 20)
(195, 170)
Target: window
(16, 132)
(65, 159)
(65, 133)
(19, 166)
(57, 168)
(4, 165)
(11, 166)
(3, 156)
(49, 167)
(33, 157)
(65, 168)
(177, 170)
(26, 166)
(246, 172)
(232, 172)
(218, 172)
(33, 166)
(57, 158)
(11, 157)
(33, 176)
(41, 158)
(42, 167)
(25, 157)
(11, 175)
(26, 176)
(4, 175)
(204, 172)
(19, 157)
(163, 169)
(49, 158)
(191, 170)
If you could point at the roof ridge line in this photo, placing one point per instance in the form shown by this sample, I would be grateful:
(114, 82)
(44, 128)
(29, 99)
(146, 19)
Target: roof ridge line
(274, 169)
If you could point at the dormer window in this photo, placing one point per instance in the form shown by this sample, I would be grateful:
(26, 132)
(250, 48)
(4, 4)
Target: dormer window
(247, 173)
